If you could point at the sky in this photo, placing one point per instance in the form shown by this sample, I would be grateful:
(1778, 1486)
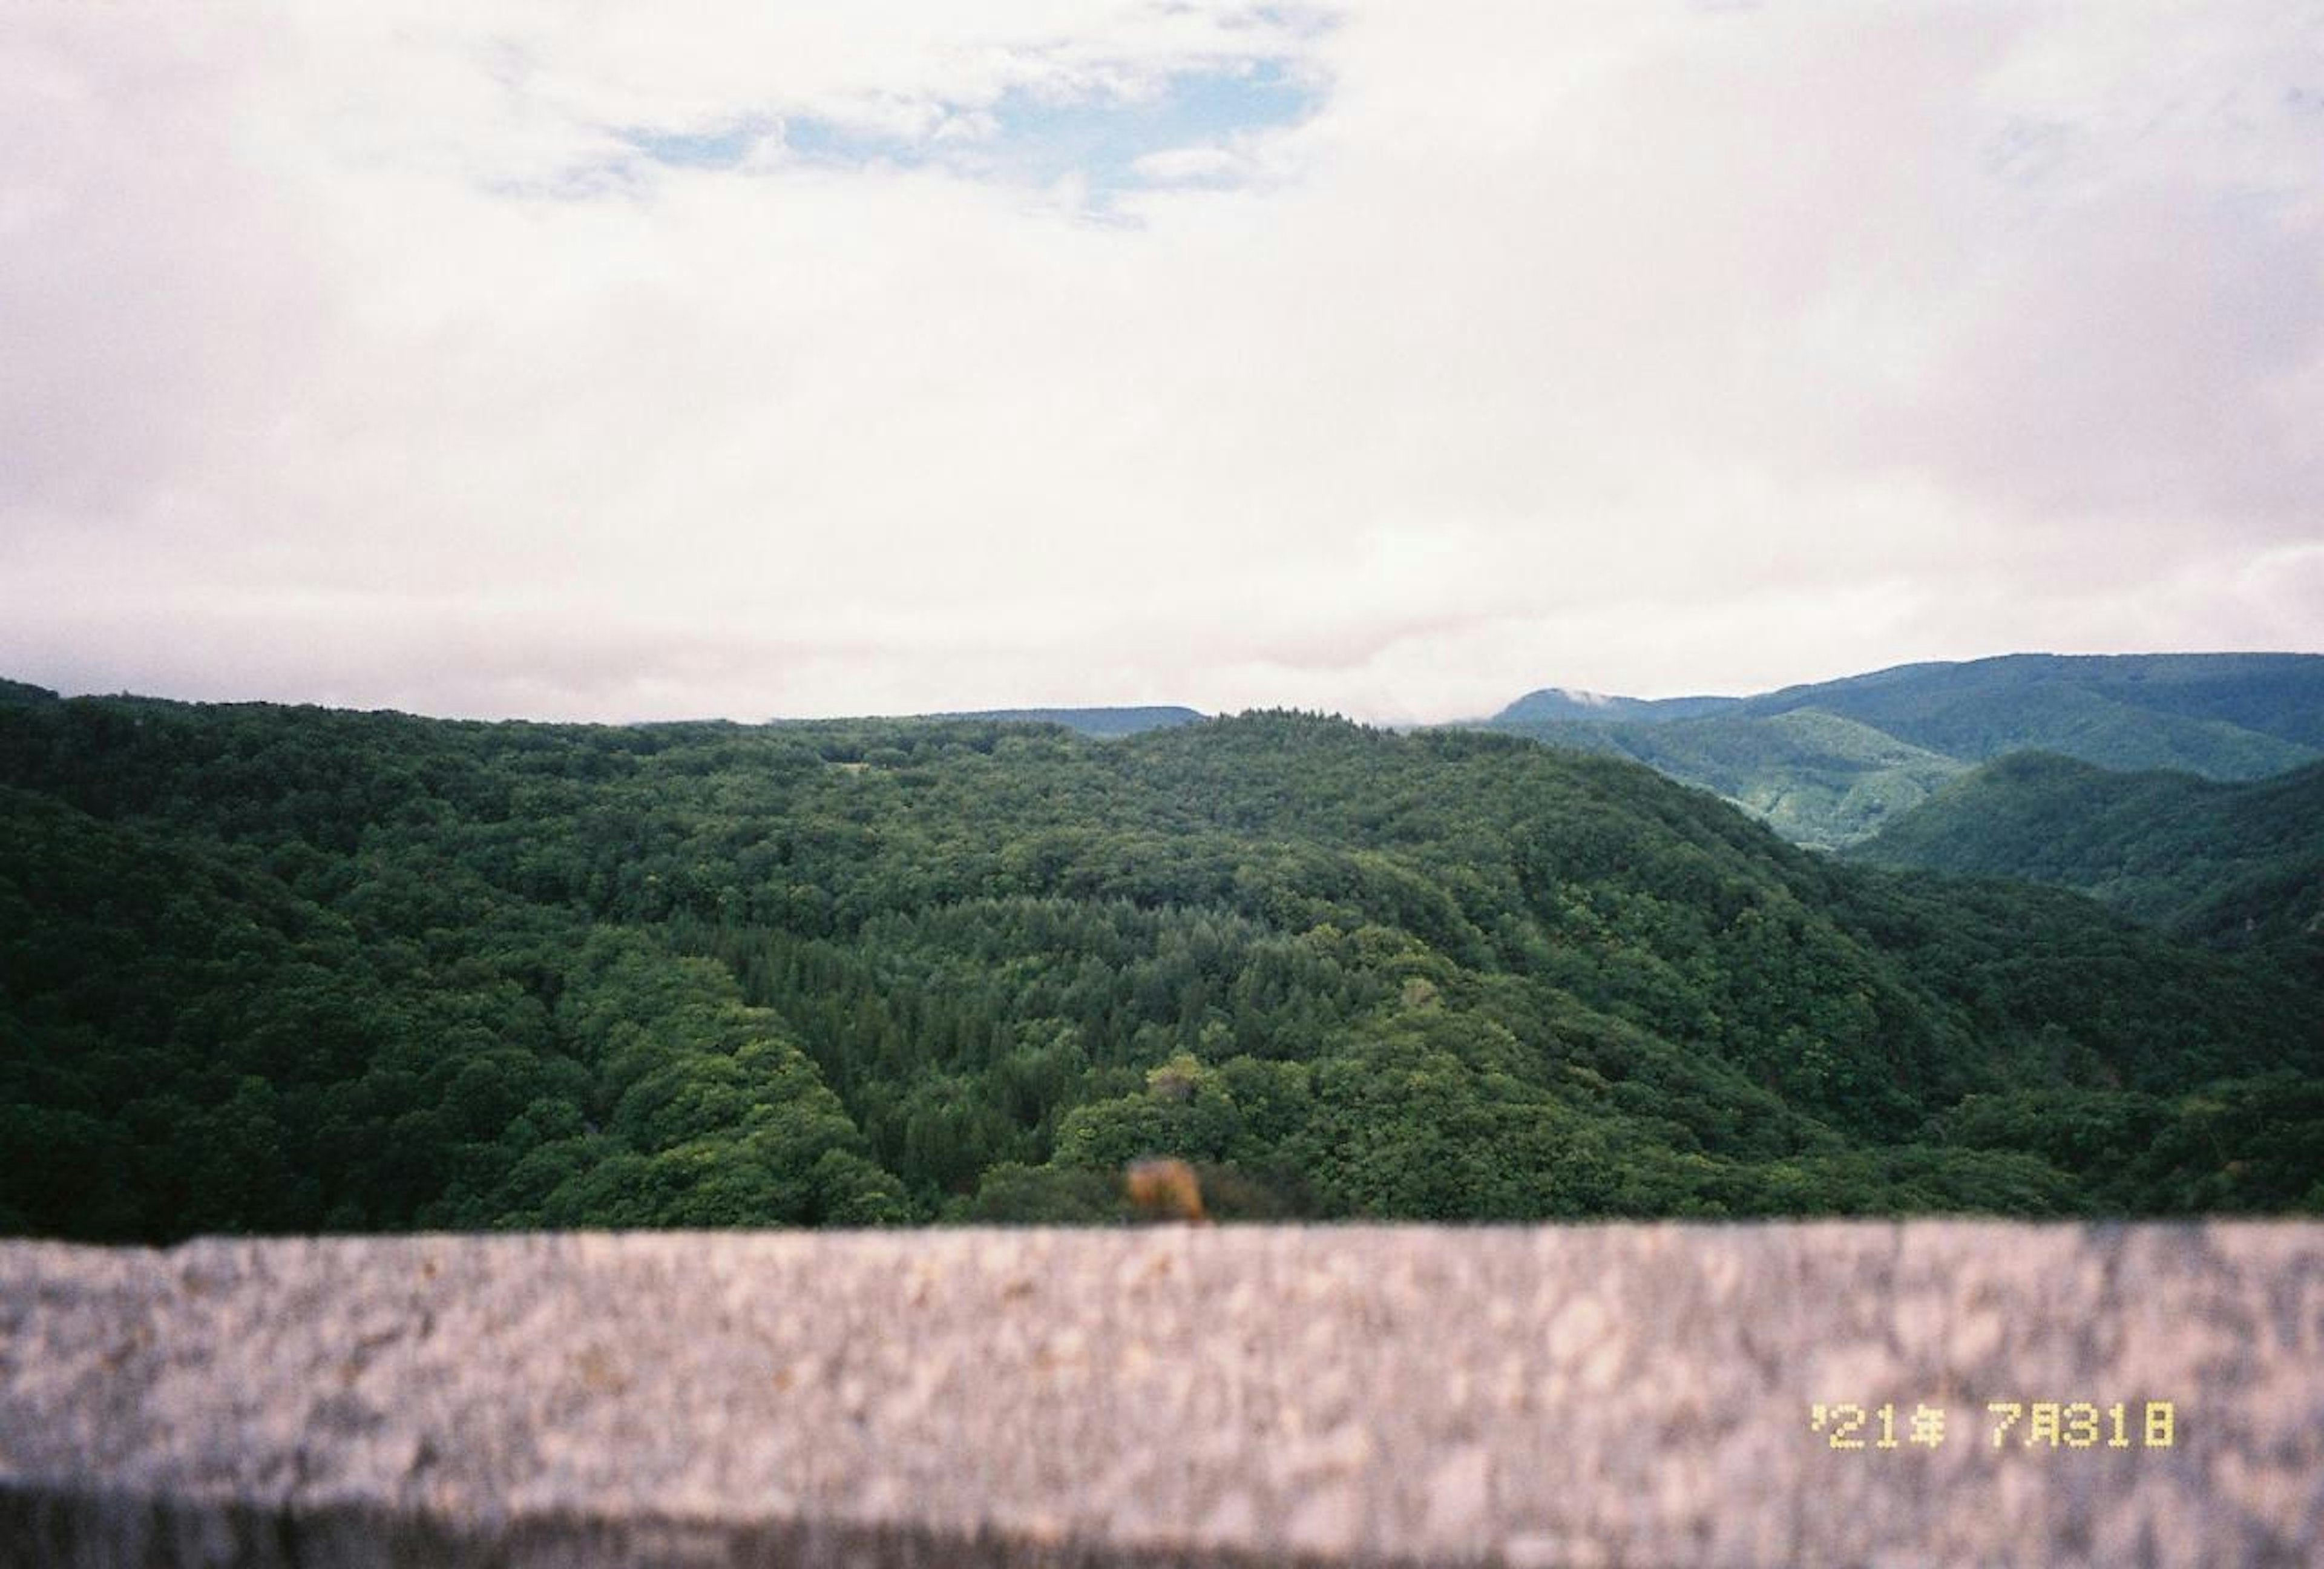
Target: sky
(515, 359)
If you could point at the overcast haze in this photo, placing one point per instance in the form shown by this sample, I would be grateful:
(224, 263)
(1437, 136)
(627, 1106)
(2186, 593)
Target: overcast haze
(1393, 359)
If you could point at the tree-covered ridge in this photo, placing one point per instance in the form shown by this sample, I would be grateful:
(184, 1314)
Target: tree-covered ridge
(2222, 715)
(1112, 721)
(1558, 705)
(2230, 864)
(25, 692)
(1830, 764)
(1814, 778)
(292, 969)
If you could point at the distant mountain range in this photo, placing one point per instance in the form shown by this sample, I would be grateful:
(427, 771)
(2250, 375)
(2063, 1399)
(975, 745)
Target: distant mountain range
(1830, 763)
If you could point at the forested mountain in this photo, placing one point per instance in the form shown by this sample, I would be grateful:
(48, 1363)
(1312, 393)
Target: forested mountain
(1556, 703)
(1829, 763)
(1816, 778)
(2221, 715)
(290, 969)
(2233, 865)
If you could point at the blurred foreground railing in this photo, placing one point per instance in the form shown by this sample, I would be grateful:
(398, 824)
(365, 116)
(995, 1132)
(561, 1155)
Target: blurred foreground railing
(1615, 1395)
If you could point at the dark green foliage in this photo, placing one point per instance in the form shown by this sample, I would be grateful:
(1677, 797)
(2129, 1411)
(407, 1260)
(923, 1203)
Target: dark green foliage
(25, 692)
(186, 1044)
(2232, 865)
(276, 969)
(2248, 1144)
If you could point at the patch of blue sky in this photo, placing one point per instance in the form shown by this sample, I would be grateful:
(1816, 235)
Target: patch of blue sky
(1030, 137)
(831, 141)
(1102, 139)
(720, 149)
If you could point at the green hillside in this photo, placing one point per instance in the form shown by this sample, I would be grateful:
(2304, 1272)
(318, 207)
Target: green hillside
(2220, 716)
(1828, 764)
(1559, 704)
(1816, 778)
(2228, 865)
(290, 969)
(2016, 702)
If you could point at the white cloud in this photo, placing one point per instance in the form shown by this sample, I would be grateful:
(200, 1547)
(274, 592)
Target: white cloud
(1183, 165)
(366, 357)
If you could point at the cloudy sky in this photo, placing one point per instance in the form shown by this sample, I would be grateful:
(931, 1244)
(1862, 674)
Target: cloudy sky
(505, 359)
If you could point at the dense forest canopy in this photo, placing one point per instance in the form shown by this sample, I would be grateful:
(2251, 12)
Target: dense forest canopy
(2234, 865)
(283, 969)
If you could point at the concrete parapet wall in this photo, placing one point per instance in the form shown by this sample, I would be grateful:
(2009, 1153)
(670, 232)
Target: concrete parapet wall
(1614, 1395)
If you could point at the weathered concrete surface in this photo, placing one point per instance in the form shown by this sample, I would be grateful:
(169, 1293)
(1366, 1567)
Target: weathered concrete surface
(1623, 1394)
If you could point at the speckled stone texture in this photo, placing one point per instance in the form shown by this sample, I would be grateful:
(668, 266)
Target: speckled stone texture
(1614, 1395)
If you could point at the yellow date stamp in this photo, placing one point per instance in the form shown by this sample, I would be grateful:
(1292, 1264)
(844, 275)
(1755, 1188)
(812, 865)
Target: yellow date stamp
(2044, 1425)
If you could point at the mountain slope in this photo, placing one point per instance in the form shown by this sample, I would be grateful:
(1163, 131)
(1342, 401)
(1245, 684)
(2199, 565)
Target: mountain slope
(2276, 696)
(1561, 703)
(1816, 778)
(412, 972)
(1791, 758)
(2228, 865)
(2221, 715)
